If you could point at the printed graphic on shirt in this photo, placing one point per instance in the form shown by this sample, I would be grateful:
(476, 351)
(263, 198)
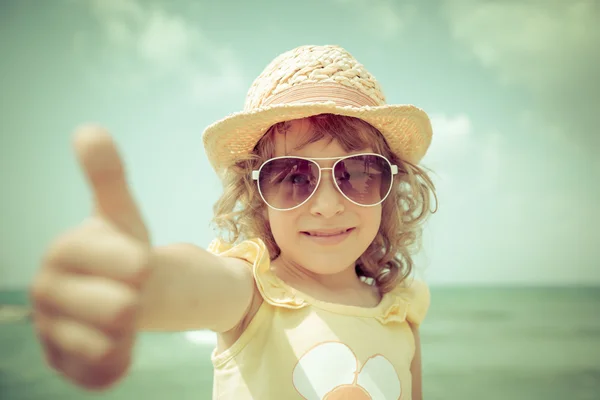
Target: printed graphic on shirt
(330, 371)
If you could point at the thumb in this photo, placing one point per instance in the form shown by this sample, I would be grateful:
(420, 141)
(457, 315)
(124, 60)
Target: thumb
(105, 173)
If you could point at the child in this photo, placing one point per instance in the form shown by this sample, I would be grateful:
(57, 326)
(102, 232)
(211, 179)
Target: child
(311, 293)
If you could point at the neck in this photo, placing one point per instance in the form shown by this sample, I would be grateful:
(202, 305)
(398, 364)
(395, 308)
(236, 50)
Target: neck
(296, 275)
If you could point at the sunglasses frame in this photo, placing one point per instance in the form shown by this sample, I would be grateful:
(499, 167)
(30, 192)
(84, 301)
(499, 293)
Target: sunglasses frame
(393, 169)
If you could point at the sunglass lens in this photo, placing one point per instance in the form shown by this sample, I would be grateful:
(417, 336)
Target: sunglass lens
(364, 179)
(287, 182)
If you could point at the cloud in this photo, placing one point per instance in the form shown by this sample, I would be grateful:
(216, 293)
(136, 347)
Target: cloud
(510, 208)
(550, 48)
(152, 44)
(457, 155)
(530, 42)
(381, 18)
(450, 144)
(451, 127)
(452, 138)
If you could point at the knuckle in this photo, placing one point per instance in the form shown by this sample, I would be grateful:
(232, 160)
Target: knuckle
(61, 248)
(139, 260)
(51, 355)
(41, 325)
(129, 298)
(79, 341)
(55, 252)
(38, 290)
(128, 305)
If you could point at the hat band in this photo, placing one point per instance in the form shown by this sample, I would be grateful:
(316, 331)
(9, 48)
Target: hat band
(321, 93)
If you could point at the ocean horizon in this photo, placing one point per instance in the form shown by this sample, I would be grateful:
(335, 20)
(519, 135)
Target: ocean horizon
(478, 342)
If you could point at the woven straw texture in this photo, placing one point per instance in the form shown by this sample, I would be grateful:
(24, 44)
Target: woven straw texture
(311, 80)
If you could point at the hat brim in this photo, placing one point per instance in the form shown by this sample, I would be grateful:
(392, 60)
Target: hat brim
(406, 128)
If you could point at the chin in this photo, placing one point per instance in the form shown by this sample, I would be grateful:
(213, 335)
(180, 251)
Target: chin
(324, 256)
(329, 267)
(326, 263)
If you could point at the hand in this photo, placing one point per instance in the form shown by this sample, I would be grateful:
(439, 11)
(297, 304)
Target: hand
(86, 295)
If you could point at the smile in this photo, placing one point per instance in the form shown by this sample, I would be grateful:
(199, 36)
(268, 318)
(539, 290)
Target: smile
(327, 233)
(328, 237)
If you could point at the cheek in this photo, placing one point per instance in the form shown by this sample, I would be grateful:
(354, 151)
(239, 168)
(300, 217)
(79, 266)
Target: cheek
(371, 219)
(282, 226)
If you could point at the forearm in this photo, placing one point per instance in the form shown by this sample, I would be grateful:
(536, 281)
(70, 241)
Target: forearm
(190, 288)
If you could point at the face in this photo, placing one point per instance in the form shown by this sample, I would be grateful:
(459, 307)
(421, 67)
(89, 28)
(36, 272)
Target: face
(307, 235)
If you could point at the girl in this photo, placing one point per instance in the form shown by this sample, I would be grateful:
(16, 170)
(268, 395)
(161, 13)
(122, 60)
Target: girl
(310, 290)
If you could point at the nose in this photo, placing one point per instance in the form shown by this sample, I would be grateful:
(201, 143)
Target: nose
(327, 201)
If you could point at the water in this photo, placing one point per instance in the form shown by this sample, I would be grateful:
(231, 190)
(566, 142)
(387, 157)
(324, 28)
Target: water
(478, 343)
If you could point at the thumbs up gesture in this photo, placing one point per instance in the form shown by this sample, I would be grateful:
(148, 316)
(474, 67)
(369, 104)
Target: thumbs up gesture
(86, 295)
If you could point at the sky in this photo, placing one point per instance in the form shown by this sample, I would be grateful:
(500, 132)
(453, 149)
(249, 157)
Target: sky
(512, 89)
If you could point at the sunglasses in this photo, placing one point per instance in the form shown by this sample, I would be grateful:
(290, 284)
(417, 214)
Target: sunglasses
(285, 183)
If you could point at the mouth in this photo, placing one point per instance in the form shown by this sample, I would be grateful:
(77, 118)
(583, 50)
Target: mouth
(327, 232)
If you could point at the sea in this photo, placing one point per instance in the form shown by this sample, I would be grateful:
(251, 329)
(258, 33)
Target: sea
(489, 343)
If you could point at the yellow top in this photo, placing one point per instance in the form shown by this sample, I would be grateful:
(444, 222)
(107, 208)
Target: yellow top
(297, 347)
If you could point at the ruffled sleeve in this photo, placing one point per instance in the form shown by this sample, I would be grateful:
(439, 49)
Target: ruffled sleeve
(252, 251)
(255, 252)
(416, 295)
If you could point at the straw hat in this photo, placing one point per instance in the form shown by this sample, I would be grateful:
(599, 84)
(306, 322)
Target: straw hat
(311, 80)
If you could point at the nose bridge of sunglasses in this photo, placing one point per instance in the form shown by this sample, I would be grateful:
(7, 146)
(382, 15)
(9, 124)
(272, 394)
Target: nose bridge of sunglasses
(326, 189)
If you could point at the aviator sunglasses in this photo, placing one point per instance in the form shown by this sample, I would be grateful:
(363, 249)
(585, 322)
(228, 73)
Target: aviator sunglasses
(287, 182)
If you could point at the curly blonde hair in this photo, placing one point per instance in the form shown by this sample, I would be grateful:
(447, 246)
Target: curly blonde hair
(240, 211)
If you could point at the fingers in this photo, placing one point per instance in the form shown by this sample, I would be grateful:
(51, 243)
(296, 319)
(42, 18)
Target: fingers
(86, 325)
(97, 376)
(96, 249)
(105, 172)
(74, 338)
(107, 305)
(81, 353)
(51, 352)
(86, 295)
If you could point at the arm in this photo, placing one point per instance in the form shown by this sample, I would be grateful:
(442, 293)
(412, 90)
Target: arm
(415, 367)
(190, 288)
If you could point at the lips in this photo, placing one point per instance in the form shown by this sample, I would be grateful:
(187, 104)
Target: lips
(327, 232)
